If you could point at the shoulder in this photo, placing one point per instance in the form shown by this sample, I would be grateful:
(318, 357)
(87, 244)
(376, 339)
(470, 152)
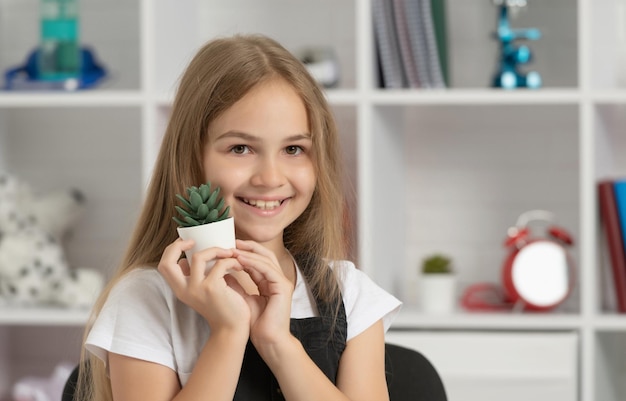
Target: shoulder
(135, 319)
(141, 280)
(137, 292)
(139, 285)
(141, 295)
(365, 302)
(354, 283)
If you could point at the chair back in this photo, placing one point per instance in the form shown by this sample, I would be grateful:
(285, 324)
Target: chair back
(411, 376)
(70, 386)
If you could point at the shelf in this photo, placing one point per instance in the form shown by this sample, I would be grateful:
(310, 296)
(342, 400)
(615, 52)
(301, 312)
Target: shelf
(70, 99)
(413, 319)
(334, 96)
(462, 163)
(43, 316)
(338, 97)
(609, 96)
(610, 323)
(474, 97)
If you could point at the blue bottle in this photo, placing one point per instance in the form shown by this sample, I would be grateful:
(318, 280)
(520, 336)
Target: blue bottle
(59, 49)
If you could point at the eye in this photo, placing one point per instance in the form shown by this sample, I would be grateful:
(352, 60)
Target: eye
(240, 149)
(293, 150)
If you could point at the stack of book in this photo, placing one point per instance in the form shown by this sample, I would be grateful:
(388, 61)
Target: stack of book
(411, 43)
(612, 205)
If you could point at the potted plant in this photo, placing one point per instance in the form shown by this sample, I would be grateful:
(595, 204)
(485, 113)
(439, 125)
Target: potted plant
(438, 285)
(204, 218)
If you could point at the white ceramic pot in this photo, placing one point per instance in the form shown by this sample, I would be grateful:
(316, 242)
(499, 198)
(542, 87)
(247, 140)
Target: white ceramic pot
(438, 293)
(220, 234)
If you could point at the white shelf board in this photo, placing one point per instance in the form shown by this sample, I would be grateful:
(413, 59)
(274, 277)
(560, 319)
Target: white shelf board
(401, 97)
(10, 99)
(609, 96)
(474, 97)
(610, 322)
(413, 319)
(336, 97)
(43, 316)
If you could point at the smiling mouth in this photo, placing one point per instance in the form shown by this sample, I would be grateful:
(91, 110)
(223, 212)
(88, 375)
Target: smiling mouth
(261, 204)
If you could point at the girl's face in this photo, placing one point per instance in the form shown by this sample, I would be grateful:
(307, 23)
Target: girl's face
(260, 154)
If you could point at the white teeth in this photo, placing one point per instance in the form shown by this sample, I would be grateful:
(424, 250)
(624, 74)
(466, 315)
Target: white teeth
(261, 204)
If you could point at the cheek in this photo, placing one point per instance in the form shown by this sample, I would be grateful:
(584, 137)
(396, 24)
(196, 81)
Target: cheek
(226, 181)
(305, 179)
(218, 174)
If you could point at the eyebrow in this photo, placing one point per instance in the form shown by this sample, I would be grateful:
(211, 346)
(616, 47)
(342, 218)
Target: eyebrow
(252, 138)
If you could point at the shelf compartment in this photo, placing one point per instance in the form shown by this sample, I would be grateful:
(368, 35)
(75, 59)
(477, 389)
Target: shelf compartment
(34, 352)
(455, 185)
(180, 31)
(473, 50)
(609, 142)
(110, 30)
(95, 150)
(476, 366)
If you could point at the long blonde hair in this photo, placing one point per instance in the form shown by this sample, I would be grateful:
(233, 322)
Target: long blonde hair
(220, 74)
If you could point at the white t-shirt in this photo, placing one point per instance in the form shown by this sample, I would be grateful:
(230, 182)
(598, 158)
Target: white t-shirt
(143, 319)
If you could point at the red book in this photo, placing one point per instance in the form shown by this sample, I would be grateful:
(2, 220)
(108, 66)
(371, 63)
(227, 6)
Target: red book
(611, 225)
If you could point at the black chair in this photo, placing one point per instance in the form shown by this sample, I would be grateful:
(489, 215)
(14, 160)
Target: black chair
(70, 386)
(411, 376)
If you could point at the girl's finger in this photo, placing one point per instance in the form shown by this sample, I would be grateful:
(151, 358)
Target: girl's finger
(222, 267)
(169, 266)
(259, 268)
(172, 252)
(200, 259)
(258, 259)
(234, 284)
(255, 247)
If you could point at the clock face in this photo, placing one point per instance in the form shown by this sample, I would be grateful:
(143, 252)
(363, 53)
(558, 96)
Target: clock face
(540, 273)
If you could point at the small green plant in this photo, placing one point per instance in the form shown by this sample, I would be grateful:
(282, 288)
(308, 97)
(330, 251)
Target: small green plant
(201, 206)
(437, 264)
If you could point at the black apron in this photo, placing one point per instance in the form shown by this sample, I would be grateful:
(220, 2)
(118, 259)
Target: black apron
(324, 340)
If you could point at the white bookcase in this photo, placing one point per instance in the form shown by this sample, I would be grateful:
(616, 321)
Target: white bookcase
(446, 170)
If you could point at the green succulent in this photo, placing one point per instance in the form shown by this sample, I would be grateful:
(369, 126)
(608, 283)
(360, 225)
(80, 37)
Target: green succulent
(201, 206)
(437, 264)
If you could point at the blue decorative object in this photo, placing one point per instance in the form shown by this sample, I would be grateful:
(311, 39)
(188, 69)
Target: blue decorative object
(512, 56)
(28, 77)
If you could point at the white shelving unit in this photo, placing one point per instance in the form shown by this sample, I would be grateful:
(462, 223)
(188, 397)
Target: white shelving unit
(459, 165)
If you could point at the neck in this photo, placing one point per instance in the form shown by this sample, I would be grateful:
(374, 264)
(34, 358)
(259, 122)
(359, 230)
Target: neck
(287, 264)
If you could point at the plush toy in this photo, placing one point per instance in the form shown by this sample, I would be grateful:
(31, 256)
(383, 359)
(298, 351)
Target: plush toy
(33, 267)
(25, 210)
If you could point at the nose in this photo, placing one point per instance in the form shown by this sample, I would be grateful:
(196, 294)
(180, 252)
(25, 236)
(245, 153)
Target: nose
(269, 173)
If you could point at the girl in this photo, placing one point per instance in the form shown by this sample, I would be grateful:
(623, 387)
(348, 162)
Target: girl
(282, 316)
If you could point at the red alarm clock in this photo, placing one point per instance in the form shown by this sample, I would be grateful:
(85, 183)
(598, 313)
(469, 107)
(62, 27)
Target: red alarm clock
(538, 272)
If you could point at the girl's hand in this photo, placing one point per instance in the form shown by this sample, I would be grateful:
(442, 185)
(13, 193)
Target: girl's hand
(271, 309)
(215, 295)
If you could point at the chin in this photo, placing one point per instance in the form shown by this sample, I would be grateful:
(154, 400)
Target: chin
(260, 236)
